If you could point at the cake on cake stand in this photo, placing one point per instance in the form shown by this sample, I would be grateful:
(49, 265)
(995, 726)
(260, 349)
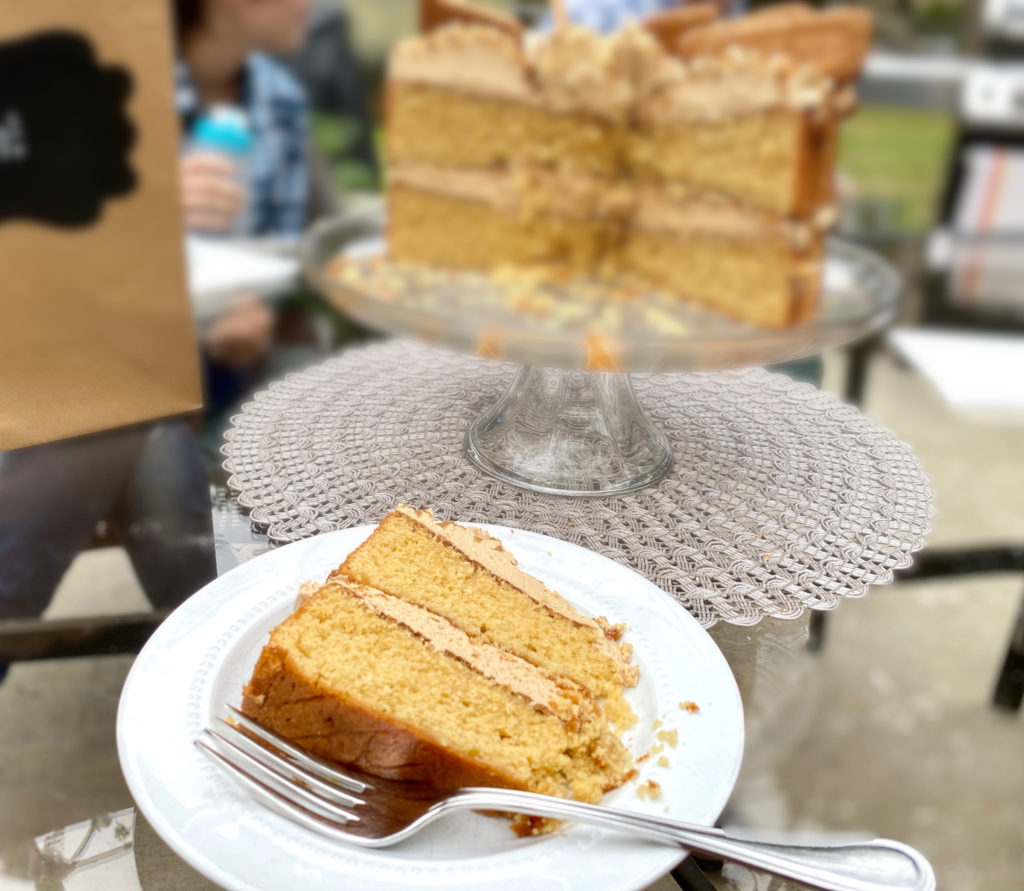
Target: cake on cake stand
(570, 423)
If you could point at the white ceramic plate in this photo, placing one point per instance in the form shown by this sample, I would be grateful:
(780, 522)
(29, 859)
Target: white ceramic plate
(199, 659)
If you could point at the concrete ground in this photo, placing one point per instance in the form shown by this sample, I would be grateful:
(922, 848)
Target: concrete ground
(891, 733)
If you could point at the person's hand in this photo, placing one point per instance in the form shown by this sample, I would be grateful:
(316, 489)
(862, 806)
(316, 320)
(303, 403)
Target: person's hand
(241, 335)
(210, 192)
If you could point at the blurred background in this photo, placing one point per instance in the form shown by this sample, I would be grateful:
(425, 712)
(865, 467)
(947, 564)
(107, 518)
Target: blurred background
(900, 714)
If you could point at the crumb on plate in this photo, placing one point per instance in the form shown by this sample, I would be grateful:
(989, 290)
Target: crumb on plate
(669, 736)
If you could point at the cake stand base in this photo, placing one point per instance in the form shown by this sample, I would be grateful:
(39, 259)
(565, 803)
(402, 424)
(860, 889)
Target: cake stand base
(569, 433)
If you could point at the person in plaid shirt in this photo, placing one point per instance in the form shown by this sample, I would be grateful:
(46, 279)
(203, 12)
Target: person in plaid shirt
(278, 174)
(221, 46)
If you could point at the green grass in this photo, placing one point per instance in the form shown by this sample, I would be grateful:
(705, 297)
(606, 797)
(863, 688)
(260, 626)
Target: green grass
(898, 157)
(335, 136)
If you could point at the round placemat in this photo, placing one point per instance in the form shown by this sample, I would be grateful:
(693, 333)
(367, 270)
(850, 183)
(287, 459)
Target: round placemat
(781, 498)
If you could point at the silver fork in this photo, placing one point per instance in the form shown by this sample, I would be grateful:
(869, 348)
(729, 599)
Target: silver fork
(373, 812)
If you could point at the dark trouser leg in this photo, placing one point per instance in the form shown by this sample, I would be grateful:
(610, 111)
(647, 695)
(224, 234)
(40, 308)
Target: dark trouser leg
(1010, 686)
(51, 498)
(163, 516)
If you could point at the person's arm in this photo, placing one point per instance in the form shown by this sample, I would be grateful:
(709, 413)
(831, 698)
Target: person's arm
(241, 335)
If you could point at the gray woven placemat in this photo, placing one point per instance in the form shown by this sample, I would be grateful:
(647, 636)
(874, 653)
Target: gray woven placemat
(781, 497)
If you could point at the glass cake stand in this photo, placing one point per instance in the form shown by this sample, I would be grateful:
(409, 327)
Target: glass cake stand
(570, 423)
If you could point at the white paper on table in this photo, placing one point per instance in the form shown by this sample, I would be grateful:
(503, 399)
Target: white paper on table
(991, 202)
(218, 271)
(982, 374)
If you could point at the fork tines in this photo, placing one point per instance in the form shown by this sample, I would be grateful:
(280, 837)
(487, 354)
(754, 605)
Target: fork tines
(282, 775)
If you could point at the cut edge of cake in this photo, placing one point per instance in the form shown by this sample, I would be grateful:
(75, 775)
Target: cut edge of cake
(477, 548)
(622, 88)
(305, 687)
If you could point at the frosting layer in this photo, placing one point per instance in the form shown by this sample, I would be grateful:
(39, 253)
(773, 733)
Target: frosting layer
(672, 208)
(521, 191)
(487, 551)
(623, 77)
(560, 697)
(471, 58)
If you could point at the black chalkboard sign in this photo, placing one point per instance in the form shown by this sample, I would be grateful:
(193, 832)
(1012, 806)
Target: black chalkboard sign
(65, 137)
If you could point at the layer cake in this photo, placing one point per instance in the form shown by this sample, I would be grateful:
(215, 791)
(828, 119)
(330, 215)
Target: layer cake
(704, 167)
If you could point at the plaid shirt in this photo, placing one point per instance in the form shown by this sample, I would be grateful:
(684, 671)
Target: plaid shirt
(278, 173)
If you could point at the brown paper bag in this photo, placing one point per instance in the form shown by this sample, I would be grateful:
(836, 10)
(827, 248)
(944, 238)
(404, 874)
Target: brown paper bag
(96, 330)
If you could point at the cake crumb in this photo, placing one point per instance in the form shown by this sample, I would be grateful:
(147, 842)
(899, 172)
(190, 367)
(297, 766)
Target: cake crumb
(660, 747)
(601, 353)
(689, 706)
(662, 761)
(488, 346)
(669, 736)
(656, 724)
(649, 790)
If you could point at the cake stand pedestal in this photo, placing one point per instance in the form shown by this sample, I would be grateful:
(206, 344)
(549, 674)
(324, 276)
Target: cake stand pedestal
(570, 423)
(570, 433)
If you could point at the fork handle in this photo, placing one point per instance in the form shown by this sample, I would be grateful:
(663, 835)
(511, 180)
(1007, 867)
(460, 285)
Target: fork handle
(862, 866)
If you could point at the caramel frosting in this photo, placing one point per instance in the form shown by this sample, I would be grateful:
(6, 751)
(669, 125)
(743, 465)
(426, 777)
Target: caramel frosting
(522, 191)
(677, 209)
(663, 207)
(558, 696)
(487, 551)
(495, 187)
(638, 58)
(733, 83)
(681, 211)
(470, 58)
(576, 72)
(306, 590)
(627, 76)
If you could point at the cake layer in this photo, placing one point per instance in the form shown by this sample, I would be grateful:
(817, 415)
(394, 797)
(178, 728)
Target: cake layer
(774, 158)
(744, 125)
(528, 195)
(452, 127)
(749, 264)
(475, 584)
(346, 679)
(759, 157)
(708, 174)
(755, 280)
(684, 211)
(437, 230)
(567, 701)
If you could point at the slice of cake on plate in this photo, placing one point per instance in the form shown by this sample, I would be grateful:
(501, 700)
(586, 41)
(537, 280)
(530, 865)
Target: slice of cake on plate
(430, 656)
